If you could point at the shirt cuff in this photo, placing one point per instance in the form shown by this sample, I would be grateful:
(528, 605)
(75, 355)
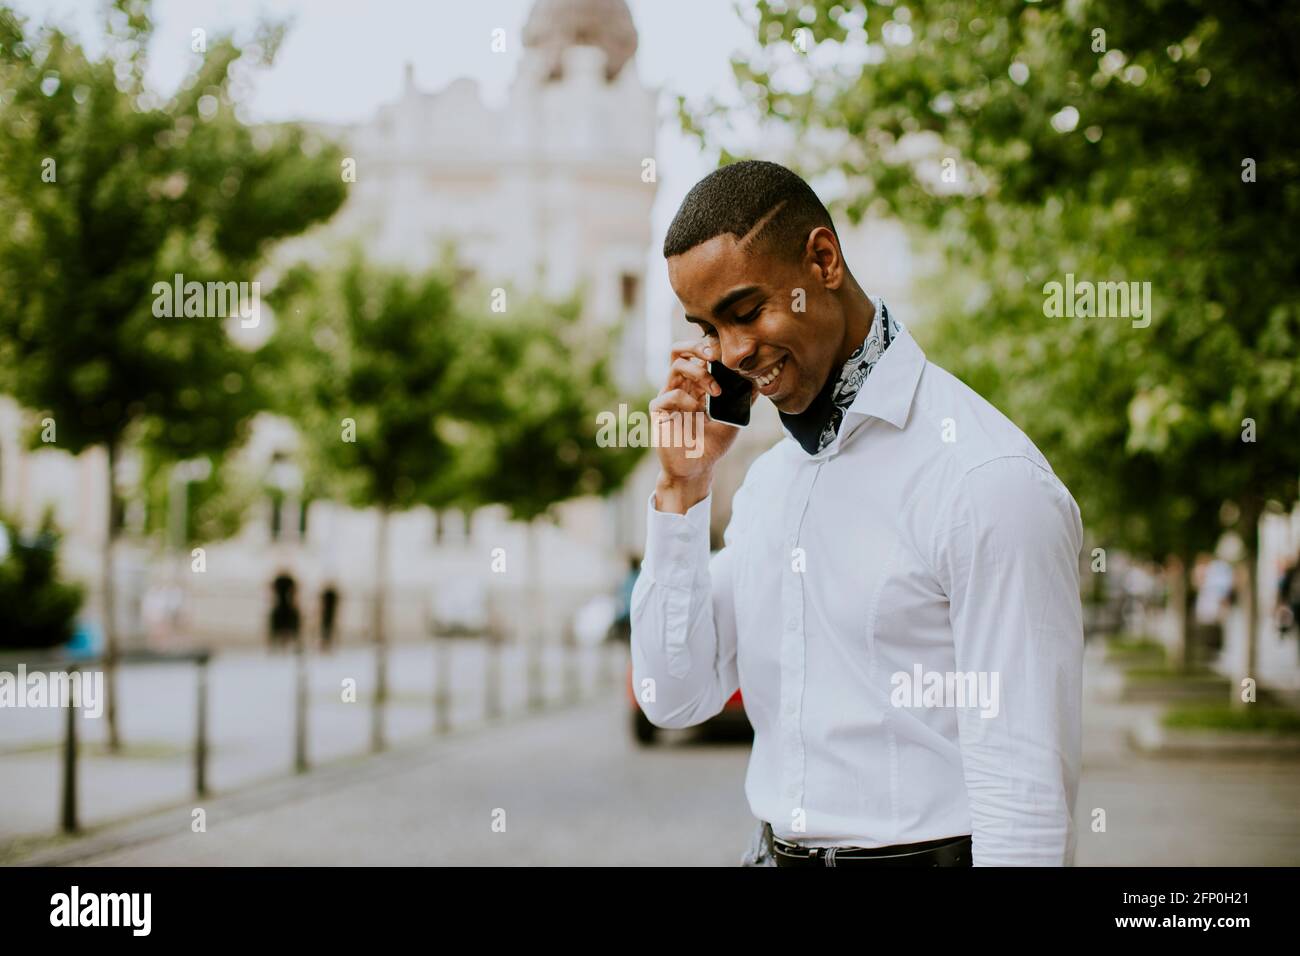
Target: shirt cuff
(676, 546)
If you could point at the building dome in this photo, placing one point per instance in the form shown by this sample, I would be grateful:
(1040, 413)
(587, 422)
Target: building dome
(555, 25)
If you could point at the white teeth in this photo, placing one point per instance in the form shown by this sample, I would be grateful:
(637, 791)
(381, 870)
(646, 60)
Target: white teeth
(770, 377)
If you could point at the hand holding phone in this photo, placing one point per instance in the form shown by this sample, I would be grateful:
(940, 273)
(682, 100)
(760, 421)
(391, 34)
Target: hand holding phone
(681, 413)
(733, 405)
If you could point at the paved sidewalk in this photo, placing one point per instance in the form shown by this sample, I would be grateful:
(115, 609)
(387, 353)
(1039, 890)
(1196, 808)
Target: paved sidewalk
(570, 786)
(574, 789)
(1171, 812)
(251, 699)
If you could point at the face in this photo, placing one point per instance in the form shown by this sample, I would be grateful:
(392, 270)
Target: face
(750, 301)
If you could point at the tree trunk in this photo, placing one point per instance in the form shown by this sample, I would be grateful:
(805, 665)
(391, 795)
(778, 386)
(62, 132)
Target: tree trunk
(1250, 539)
(1182, 600)
(535, 624)
(110, 618)
(379, 634)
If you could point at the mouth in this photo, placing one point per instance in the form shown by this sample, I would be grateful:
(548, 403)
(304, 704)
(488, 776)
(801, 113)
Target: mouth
(769, 379)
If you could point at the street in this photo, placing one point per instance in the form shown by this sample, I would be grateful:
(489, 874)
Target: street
(573, 785)
(572, 788)
(251, 698)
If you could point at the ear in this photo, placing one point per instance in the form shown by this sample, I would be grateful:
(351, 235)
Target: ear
(823, 249)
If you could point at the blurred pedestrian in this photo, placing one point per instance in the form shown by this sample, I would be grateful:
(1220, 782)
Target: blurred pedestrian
(286, 621)
(622, 629)
(1288, 597)
(329, 602)
(1214, 594)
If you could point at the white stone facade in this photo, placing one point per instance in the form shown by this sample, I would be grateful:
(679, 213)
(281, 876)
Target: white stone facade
(546, 193)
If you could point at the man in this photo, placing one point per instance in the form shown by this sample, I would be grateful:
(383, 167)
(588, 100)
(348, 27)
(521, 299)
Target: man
(329, 605)
(898, 595)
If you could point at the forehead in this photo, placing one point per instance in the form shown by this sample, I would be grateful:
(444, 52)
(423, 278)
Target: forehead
(704, 274)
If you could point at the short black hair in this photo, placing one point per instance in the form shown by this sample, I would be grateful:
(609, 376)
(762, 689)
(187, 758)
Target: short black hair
(740, 196)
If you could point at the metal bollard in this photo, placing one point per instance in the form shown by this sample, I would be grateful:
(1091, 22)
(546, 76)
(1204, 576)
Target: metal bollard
(492, 678)
(441, 686)
(300, 764)
(572, 665)
(70, 765)
(380, 697)
(201, 730)
(535, 678)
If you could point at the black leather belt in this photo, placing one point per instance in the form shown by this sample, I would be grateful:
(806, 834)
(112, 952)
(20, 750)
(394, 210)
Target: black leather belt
(949, 851)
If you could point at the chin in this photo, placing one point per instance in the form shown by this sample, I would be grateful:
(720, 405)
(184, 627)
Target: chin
(792, 404)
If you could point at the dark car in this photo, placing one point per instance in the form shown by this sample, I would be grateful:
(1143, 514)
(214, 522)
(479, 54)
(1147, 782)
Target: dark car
(731, 720)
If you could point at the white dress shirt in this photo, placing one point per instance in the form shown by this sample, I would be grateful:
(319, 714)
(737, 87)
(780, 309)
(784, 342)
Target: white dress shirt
(929, 548)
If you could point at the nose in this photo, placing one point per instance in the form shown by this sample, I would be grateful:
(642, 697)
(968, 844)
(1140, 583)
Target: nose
(739, 352)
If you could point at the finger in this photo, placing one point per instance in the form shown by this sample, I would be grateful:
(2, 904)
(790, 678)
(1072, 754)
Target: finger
(676, 400)
(693, 375)
(673, 412)
(703, 349)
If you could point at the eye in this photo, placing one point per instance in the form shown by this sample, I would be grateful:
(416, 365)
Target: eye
(749, 316)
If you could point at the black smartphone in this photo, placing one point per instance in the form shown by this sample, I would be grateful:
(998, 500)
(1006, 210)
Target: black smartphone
(732, 406)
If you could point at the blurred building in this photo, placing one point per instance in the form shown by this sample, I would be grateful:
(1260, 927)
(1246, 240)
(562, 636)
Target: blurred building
(547, 193)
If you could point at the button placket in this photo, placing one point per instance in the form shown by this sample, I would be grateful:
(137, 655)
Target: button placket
(792, 640)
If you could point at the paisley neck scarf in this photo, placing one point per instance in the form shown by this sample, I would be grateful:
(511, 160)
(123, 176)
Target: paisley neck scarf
(816, 426)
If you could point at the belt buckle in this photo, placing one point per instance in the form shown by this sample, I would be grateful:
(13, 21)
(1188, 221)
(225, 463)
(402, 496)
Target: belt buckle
(790, 848)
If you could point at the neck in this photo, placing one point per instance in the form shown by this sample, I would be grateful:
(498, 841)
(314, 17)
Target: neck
(859, 313)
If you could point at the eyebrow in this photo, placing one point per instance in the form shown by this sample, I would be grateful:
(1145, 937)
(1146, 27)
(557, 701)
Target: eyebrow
(728, 300)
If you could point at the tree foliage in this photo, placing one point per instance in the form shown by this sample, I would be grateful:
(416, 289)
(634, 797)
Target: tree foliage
(107, 189)
(533, 382)
(362, 360)
(1118, 140)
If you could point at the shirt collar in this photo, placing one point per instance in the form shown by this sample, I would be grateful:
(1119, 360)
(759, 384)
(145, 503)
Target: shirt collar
(889, 392)
(888, 384)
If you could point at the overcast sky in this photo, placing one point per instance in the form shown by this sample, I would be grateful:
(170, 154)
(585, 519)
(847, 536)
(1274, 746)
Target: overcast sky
(344, 58)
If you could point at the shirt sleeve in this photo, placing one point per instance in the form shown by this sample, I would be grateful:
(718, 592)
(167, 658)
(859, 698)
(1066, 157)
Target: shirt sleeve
(683, 617)
(1007, 553)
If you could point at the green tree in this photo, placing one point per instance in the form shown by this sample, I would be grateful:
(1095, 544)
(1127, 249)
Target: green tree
(108, 189)
(217, 504)
(533, 381)
(1142, 140)
(362, 359)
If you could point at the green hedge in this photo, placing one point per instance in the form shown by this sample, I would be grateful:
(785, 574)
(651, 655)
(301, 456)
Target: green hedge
(1134, 644)
(1252, 717)
(37, 610)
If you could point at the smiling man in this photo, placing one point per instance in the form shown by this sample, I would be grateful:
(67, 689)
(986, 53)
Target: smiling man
(904, 545)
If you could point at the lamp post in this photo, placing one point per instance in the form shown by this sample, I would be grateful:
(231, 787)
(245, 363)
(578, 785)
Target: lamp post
(182, 473)
(286, 478)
